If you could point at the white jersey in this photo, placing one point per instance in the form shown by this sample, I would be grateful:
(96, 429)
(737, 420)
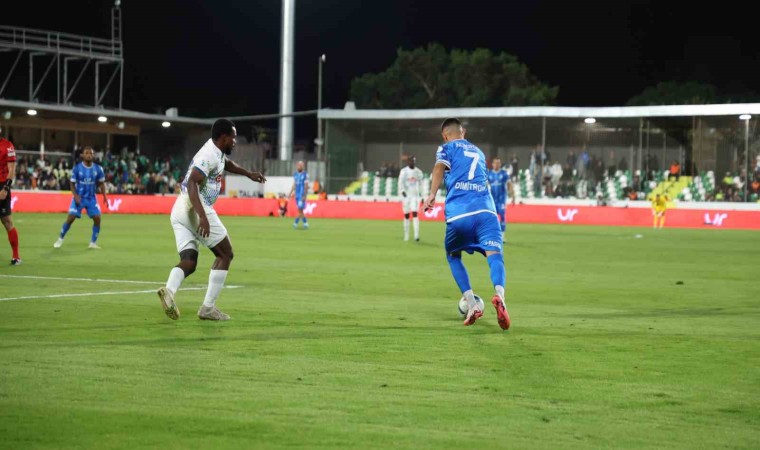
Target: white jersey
(209, 160)
(410, 181)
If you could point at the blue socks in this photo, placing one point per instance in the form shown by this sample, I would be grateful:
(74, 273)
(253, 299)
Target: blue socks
(65, 229)
(95, 233)
(304, 221)
(503, 227)
(459, 272)
(298, 219)
(498, 273)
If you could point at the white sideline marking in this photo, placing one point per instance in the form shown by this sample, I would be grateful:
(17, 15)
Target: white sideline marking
(91, 294)
(99, 280)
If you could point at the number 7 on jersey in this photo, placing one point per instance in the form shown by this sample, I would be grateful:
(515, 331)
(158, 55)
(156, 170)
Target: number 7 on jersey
(475, 158)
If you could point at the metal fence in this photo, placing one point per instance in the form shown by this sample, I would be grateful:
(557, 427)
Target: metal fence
(589, 149)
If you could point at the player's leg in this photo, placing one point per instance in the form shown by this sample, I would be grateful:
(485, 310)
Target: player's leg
(416, 223)
(216, 279)
(489, 234)
(662, 219)
(303, 214)
(75, 212)
(12, 235)
(93, 210)
(184, 226)
(414, 206)
(219, 243)
(458, 237)
(406, 210)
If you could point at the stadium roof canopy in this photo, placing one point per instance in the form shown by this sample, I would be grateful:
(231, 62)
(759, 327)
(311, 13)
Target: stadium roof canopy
(544, 111)
(56, 111)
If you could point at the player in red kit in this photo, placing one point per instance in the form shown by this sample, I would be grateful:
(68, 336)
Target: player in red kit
(7, 174)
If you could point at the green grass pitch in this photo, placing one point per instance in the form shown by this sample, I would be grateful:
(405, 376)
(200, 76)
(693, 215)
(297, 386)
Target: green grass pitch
(343, 336)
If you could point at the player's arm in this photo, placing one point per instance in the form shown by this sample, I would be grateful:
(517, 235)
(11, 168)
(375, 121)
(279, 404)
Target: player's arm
(194, 181)
(292, 190)
(232, 167)
(102, 188)
(6, 188)
(402, 183)
(102, 185)
(435, 183)
(73, 186)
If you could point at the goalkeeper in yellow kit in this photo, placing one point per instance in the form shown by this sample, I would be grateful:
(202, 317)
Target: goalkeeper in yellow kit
(659, 207)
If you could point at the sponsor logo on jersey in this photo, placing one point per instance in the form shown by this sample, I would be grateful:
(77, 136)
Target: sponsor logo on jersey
(567, 216)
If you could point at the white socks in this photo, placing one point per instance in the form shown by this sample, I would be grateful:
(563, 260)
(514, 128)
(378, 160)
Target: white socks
(176, 277)
(406, 229)
(470, 297)
(215, 283)
(500, 291)
(416, 222)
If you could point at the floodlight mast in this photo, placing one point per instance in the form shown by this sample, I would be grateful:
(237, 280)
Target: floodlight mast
(285, 139)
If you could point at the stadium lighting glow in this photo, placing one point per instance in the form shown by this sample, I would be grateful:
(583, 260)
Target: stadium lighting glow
(745, 117)
(590, 120)
(102, 119)
(166, 124)
(32, 112)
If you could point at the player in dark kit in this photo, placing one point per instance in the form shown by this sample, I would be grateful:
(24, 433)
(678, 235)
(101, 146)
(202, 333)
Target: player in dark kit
(7, 174)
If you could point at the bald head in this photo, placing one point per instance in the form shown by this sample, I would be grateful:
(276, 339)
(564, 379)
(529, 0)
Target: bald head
(300, 166)
(451, 129)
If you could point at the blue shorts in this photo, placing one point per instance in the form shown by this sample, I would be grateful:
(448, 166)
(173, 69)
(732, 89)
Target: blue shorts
(477, 233)
(301, 203)
(90, 204)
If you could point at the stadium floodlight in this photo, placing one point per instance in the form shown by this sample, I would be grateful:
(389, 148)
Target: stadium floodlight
(166, 124)
(589, 120)
(745, 117)
(32, 112)
(102, 119)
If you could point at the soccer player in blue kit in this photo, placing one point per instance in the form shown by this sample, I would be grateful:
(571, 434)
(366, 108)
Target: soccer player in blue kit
(300, 189)
(472, 224)
(499, 181)
(86, 178)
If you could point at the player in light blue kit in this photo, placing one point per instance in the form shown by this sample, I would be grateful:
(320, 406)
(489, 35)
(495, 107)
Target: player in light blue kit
(86, 179)
(472, 224)
(300, 189)
(501, 190)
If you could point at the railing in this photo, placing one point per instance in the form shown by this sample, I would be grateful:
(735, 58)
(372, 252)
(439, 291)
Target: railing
(53, 41)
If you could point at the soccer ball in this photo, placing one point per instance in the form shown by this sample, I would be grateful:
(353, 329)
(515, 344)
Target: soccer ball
(463, 305)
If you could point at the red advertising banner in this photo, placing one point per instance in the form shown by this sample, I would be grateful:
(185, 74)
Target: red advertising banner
(554, 214)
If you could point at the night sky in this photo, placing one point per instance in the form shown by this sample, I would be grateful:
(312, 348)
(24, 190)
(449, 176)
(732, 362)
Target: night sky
(217, 57)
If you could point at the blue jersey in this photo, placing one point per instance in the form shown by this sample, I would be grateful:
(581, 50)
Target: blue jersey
(498, 181)
(466, 180)
(87, 180)
(301, 178)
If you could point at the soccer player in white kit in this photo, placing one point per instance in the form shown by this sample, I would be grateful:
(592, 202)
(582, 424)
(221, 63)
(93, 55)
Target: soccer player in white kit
(410, 187)
(195, 222)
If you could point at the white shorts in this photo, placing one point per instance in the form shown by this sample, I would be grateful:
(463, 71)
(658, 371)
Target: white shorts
(410, 204)
(185, 224)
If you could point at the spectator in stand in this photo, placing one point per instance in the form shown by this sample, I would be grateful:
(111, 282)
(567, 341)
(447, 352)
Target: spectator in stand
(556, 173)
(755, 187)
(515, 163)
(623, 164)
(571, 159)
(675, 171)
